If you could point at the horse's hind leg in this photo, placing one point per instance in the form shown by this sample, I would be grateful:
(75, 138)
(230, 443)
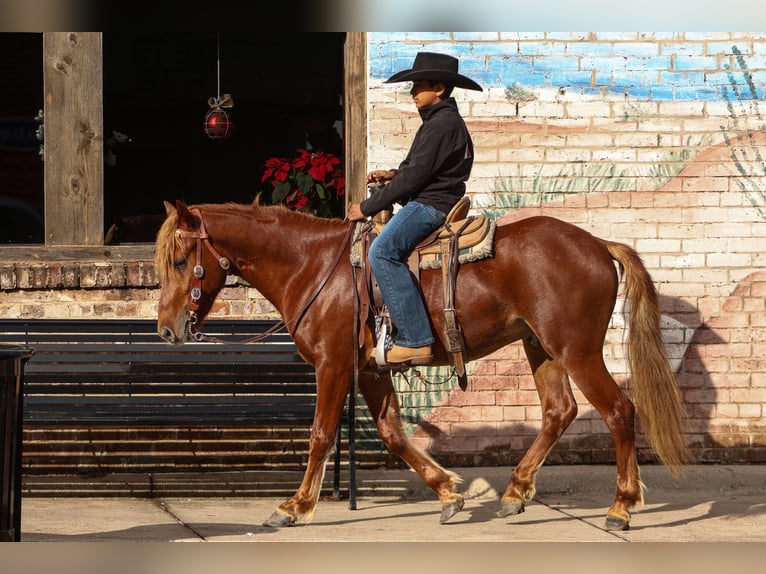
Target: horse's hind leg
(559, 409)
(591, 376)
(379, 394)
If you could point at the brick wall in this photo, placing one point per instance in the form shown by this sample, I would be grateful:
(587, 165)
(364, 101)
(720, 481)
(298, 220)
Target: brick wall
(109, 289)
(655, 140)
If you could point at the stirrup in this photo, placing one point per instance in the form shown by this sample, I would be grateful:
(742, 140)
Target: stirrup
(384, 339)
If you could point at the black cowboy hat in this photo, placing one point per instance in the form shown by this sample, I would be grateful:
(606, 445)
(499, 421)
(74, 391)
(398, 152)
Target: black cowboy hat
(435, 68)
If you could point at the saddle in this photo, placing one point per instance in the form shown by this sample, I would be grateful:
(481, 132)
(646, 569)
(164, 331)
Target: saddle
(470, 233)
(454, 242)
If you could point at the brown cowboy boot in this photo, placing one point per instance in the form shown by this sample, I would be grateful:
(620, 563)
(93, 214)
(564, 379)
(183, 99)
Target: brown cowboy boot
(411, 355)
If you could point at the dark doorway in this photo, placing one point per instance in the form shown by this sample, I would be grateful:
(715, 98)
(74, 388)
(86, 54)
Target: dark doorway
(156, 92)
(21, 167)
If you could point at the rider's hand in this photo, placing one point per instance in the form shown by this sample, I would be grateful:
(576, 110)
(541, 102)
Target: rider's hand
(380, 176)
(355, 213)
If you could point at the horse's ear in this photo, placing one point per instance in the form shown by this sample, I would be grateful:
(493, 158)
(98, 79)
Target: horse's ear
(185, 215)
(170, 209)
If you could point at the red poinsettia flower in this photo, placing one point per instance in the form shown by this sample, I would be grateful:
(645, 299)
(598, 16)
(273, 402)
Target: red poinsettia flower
(302, 159)
(322, 164)
(277, 168)
(297, 201)
(312, 181)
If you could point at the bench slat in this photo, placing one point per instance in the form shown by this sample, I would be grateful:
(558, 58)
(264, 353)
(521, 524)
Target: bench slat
(151, 351)
(297, 385)
(235, 370)
(172, 401)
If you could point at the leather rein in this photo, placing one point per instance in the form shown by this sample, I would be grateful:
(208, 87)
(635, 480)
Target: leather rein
(195, 293)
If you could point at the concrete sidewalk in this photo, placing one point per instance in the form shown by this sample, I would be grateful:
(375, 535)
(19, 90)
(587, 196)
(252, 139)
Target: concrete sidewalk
(712, 503)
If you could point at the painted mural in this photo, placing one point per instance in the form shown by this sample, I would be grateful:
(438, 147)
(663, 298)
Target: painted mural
(656, 140)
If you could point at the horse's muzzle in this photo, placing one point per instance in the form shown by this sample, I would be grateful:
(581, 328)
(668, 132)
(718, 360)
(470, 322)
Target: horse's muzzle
(169, 336)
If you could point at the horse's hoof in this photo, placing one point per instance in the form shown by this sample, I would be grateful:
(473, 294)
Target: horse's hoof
(615, 523)
(279, 520)
(511, 507)
(450, 509)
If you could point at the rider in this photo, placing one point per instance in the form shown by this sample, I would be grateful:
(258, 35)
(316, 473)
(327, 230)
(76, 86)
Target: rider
(428, 183)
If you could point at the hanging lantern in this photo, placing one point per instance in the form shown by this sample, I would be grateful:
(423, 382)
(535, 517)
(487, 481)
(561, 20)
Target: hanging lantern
(218, 123)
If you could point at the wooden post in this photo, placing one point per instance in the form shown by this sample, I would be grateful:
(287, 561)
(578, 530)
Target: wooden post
(74, 142)
(355, 103)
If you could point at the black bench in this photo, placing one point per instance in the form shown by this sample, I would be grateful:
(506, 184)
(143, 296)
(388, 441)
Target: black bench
(97, 373)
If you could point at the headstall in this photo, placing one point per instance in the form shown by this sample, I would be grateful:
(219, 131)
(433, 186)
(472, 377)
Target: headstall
(202, 237)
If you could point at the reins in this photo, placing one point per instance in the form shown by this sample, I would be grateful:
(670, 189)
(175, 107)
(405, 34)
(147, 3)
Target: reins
(195, 293)
(202, 237)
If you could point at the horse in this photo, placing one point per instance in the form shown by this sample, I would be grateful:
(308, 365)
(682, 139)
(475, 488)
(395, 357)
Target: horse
(549, 284)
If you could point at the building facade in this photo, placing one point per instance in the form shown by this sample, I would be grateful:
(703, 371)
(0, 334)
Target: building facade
(657, 140)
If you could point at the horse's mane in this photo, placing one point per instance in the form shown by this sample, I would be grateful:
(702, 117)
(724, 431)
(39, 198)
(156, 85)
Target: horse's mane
(163, 255)
(167, 238)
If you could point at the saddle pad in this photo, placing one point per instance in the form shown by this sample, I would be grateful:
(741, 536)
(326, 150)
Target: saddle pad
(431, 258)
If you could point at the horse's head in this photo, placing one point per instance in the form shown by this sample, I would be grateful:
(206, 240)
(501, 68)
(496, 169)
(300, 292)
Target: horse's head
(190, 270)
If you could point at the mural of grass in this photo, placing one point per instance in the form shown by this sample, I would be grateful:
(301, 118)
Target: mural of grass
(751, 183)
(419, 395)
(517, 192)
(675, 160)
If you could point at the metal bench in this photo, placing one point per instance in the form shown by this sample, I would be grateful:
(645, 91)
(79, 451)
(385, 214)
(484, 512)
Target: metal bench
(114, 373)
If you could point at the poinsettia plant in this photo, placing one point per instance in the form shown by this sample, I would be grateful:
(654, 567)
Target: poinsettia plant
(311, 181)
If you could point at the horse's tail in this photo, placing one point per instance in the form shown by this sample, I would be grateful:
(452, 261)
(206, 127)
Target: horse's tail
(653, 385)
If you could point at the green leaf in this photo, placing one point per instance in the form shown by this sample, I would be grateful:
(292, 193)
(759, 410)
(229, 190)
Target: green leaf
(305, 182)
(280, 192)
(322, 191)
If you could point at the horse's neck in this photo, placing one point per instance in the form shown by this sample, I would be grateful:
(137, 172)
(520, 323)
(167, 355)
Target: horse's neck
(277, 255)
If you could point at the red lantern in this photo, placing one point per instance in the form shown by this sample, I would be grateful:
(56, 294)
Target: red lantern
(218, 124)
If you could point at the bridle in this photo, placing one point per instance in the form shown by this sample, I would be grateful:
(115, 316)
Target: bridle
(203, 238)
(195, 293)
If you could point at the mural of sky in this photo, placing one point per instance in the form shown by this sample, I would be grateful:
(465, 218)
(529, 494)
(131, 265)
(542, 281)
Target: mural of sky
(682, 67)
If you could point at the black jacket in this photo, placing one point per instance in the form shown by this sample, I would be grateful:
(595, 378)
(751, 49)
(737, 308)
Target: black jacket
(436, 167)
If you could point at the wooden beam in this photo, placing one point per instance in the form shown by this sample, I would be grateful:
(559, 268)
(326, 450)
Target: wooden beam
(74, 142)
(355, 100)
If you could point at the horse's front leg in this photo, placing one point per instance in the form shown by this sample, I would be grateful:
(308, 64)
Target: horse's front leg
(332, 389)
(378, 392)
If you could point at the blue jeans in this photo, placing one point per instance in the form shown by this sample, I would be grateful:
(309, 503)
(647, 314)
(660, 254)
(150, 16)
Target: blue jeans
(388, 259)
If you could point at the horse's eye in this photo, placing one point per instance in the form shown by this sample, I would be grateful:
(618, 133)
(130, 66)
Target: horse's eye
(179, 264)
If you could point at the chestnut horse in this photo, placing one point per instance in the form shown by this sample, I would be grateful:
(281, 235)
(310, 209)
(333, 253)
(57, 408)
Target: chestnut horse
(549, 284)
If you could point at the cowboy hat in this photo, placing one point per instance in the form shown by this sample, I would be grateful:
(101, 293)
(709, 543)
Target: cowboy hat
(436, 68)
